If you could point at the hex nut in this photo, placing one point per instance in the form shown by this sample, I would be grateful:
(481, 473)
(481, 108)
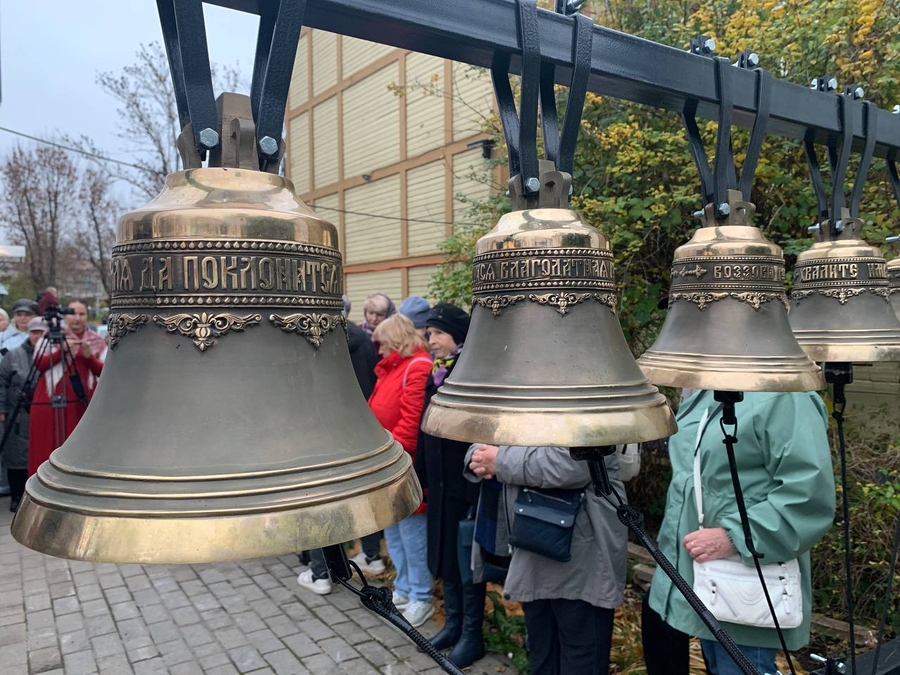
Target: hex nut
(268, 145)
(209, 138)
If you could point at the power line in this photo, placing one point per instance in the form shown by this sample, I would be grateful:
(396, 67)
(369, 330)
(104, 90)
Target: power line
(143, 168)
(376, 215)
(76, 150)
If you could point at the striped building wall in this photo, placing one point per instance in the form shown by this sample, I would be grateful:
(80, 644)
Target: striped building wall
(377, 143)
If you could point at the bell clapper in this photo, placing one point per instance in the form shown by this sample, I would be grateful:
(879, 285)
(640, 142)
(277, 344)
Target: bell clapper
(378, 600)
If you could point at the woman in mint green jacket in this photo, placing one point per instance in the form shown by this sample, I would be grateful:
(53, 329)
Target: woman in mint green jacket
(785, 469)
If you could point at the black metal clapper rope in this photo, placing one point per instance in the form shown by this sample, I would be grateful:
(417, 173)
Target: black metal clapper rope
(184, 35)
(839, 375)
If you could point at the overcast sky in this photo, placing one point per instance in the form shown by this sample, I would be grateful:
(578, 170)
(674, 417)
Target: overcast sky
(52, 50)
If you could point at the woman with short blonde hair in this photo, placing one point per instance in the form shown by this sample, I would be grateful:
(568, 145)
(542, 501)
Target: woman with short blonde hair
(398, 334)
(376, 308)
(397, 403)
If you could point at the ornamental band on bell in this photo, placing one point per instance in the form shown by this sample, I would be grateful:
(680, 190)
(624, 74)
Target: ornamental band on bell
(207, 283)
(842, 278)
(752, 280)
(562, 279)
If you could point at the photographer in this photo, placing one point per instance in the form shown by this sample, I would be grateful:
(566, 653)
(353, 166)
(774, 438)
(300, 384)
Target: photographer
(69, 362)
(14, 372)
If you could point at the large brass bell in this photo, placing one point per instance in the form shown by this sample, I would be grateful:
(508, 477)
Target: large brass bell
(893, 274)
(727, 325)
(228, 422)
(545, 361)
(841, 299)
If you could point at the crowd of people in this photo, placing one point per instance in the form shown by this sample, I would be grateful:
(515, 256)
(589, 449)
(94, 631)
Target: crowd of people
(472, 525)
(465, 534)
(46, 383)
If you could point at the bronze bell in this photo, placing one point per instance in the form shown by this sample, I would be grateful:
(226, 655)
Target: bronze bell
(893, 274)
(841, 299)
(545, 360)
(228, 422)
(727, 325)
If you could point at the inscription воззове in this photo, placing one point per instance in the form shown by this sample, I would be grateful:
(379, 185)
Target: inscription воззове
(179, 273)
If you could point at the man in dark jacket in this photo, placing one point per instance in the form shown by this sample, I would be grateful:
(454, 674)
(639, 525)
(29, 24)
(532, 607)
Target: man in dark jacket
(364, 360)
(363, 357)
(14, 370)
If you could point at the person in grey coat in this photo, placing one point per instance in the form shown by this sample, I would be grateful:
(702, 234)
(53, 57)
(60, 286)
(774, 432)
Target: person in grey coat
(14, 370)
(569, 606)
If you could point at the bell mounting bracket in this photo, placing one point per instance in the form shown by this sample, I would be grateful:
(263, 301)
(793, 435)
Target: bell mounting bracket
(543, 183)
(184, 35)
(717, 184)
(837, 219)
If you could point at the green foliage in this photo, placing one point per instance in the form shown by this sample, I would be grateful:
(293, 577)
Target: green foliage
(505, 633)
(873, 471)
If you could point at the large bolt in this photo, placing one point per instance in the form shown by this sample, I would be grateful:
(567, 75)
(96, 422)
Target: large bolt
(268, 146)
(698, 214)
(723, 209)
(813, 228)
(209, 138)
(832, 84)
(893, 238)
(532, 185)
(753, 59)
(839, 226)
(858, 93)
(896, 110)
(709, 45)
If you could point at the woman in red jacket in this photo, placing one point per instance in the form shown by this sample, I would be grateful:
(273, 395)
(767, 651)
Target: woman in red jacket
(397, 403)
(82, 354)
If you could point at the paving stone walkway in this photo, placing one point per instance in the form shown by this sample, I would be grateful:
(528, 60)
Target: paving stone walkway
(64, 617)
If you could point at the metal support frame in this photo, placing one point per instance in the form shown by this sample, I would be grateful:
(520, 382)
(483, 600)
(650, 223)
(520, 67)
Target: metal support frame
(622, 66)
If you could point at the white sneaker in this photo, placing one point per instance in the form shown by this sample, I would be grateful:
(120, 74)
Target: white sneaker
(400, 601)
(418, 612)
(317, 586)
(367, 566)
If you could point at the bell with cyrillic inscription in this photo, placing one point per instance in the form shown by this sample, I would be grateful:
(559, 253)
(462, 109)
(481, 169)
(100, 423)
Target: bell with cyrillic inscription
(727, 324)
(841, 302)
(545, 361)
(893, 273)
(228, 422)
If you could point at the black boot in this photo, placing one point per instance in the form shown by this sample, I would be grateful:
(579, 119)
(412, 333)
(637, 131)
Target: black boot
(470, 647)
(453, 618)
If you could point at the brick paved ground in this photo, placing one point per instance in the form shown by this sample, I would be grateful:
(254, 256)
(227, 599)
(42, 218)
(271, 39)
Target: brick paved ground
(75, 618)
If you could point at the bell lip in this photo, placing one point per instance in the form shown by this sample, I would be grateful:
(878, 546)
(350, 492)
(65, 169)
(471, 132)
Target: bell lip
(844, 353)
(569, 429)
(745, 379)
(75, 535)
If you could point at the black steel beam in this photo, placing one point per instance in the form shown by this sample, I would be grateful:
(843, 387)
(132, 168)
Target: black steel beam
(623, 66)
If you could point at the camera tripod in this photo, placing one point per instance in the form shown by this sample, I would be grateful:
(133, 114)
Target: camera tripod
(55, 338)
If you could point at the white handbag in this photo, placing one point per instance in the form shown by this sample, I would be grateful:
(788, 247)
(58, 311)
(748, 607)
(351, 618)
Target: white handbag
(732, 590)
